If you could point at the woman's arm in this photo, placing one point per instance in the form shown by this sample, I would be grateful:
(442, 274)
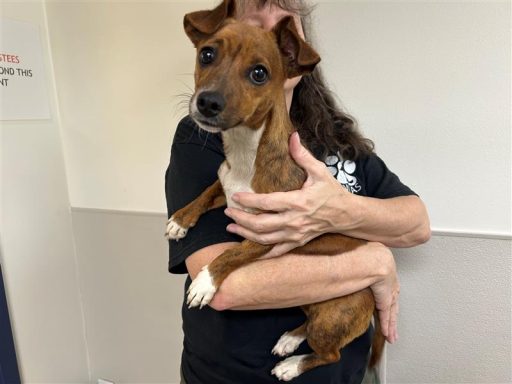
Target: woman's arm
(322, 205)
(293, 280)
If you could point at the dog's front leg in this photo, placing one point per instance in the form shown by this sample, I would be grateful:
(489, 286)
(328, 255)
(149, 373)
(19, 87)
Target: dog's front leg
(185, 218)
(208, 281)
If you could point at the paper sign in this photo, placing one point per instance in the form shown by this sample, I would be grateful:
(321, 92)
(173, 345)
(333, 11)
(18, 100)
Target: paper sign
(23, 91)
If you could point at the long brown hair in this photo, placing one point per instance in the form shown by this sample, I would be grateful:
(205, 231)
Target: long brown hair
(323, 126)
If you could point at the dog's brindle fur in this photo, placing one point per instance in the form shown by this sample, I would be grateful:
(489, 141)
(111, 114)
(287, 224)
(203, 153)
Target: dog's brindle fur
(248, 109)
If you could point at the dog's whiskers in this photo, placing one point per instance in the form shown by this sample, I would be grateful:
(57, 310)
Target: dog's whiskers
(181, 103)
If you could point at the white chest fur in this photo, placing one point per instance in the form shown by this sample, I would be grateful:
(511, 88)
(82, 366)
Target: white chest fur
(236, 173)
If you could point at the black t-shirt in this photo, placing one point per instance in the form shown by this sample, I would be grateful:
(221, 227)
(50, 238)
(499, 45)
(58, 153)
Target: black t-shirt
(234, 347)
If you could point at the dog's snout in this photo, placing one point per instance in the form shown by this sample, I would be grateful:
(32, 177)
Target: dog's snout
(210, 104)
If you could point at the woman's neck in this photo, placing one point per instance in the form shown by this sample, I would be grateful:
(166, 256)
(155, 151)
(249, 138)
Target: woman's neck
(289, 97)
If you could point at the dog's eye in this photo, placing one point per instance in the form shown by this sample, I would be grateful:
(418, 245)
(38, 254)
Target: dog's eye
(259, 75)
(207, 55)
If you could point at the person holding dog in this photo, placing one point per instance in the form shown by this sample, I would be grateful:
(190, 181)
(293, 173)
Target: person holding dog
(230, 341)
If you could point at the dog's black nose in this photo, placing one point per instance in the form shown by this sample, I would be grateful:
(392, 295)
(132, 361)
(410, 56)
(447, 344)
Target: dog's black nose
(210, 104)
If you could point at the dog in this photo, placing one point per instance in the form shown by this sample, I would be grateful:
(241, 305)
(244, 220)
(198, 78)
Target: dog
(239, 78)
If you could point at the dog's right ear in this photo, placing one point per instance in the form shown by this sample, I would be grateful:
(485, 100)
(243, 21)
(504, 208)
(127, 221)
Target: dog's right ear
(202, 24)
(298, 56)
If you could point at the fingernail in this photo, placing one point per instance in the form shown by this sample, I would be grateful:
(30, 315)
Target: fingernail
(235, 198)
(230, 228)
(227, 211)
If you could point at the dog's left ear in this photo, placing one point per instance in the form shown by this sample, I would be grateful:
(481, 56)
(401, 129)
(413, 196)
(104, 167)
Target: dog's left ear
(299, 57)
(202, 24)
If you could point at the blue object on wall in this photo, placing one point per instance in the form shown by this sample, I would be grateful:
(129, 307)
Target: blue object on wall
(9, 373)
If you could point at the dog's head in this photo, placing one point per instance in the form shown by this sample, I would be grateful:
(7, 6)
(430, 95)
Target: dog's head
(241, 69)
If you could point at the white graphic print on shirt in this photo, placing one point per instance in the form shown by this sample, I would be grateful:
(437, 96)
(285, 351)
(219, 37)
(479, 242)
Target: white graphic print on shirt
(343, 171)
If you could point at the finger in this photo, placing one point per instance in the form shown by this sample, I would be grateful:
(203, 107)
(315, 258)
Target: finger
(279, 250)
(276, 201)
(303, 157)
(262, 223)
(384, 321)
(261, 238)
(392, 332)
(397, 310)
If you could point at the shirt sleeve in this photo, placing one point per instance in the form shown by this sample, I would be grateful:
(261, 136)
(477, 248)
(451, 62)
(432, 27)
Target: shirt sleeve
(195, 159)
(381, 182)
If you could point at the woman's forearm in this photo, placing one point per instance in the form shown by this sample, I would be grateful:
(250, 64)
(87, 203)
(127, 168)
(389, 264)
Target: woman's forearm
(293, 280)
(396, 222)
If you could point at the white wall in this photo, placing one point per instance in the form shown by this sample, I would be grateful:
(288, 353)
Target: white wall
(38, 256)
(429, 81)
(120, 67)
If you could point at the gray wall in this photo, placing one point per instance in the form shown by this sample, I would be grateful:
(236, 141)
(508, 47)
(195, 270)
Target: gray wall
(455, 311)
(132, 305)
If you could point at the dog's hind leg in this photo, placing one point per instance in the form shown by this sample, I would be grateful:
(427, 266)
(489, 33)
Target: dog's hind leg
(290, 341)
(330, 326)
(324, 340)
(294, 366)
(186, 217)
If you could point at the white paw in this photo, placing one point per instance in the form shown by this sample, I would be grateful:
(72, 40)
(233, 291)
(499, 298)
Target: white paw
(201, 290)
(174, 230)
(288, 369)
(287, 344)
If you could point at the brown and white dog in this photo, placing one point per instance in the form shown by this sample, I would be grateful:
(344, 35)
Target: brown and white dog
(239, 78)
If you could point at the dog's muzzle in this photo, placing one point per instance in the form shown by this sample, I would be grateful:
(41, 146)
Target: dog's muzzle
(206, 109)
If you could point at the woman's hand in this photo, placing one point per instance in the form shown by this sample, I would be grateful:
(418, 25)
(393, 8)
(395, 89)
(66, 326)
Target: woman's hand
(295, 217)
(386, 291)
